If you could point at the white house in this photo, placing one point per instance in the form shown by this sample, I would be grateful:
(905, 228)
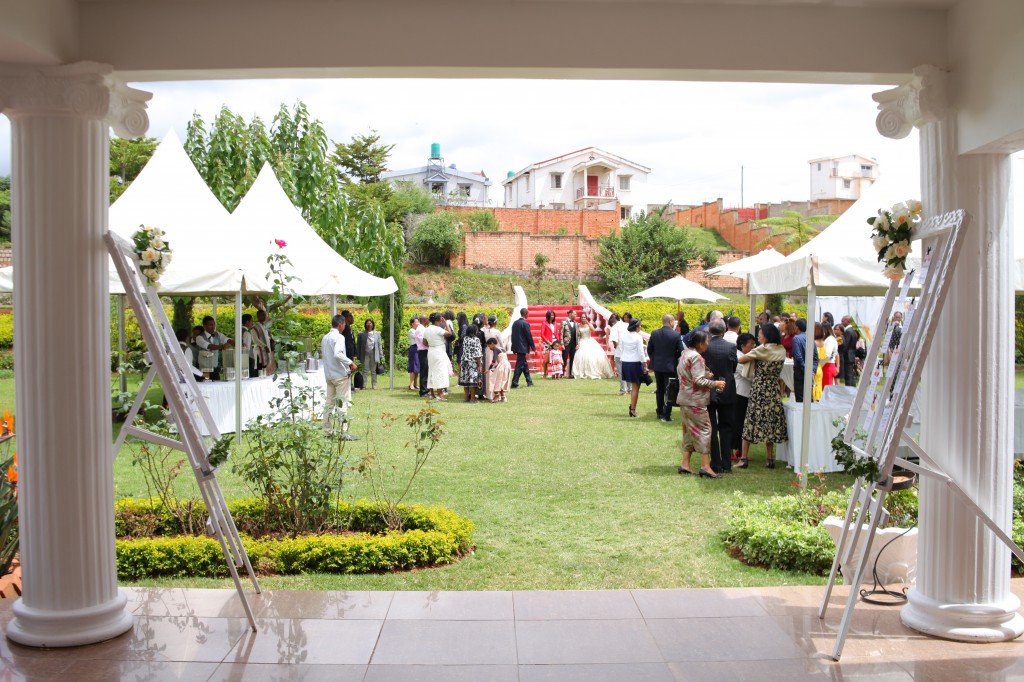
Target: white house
(586, 178)
(842, 177)
(448, 184)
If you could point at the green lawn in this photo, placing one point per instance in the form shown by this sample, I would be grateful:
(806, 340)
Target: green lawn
(565, 490)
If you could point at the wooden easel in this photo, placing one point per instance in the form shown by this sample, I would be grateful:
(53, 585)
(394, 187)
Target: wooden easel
(884, 415)
(187, 407)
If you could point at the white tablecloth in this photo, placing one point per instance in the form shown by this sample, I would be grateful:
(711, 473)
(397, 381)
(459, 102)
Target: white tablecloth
(787, 373)
(822, 430)
(256, 396)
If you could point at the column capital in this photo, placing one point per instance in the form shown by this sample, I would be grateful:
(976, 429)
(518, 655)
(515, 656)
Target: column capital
(86, 90)
(921, 100)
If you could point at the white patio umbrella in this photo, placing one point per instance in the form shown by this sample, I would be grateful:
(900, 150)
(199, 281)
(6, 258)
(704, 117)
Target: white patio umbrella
(679, 288)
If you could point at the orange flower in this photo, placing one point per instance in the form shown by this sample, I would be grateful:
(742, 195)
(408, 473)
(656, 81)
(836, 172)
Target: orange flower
(12, 471)
(8, 422)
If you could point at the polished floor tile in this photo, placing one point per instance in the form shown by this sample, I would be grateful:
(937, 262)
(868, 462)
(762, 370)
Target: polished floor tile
(441, 673)
(296, 641)
(441, 642)
(585, 641)
(575, 605)
(451, 606)
(756, 634)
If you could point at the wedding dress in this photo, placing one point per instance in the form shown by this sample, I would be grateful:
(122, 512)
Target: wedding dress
(590, 362)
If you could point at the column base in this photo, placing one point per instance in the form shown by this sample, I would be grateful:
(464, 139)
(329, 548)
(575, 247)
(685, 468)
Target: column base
(40, 628)
(991, 622)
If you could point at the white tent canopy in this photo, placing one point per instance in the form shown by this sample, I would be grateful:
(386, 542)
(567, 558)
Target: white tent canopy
(745, 266)
(266, 214)
(679, 288)
(841, 257)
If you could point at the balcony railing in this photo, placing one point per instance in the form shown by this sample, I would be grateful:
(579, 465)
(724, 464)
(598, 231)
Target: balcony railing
(603, 192)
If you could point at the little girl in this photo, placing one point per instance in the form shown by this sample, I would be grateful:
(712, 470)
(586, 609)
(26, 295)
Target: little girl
(498, 372)
(555, 360)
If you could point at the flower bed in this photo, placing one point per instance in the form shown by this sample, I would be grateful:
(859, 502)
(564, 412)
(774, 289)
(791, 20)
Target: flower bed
(150, 544)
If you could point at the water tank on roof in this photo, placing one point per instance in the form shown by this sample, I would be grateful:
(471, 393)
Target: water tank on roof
(452, 166)
(435, 150)
(510, 174)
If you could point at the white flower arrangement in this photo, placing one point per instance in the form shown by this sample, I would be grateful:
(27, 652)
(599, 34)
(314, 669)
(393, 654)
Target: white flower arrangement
(891, 234)
(153, 251)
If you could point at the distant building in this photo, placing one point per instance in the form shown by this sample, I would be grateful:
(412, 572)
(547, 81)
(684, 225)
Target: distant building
(584, 179)
(448, 184)
(842, 177)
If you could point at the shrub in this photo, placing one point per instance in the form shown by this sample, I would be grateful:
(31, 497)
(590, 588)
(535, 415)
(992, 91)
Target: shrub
(482, 221)
(434, 536)
(437, 238)
(6, 331)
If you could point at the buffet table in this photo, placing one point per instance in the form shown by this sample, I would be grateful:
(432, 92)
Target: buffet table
(256, 396)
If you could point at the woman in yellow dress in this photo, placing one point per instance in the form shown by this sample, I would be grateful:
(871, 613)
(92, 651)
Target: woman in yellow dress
(819, 348)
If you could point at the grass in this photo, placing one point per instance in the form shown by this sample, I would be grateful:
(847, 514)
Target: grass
(710, 237)
(565, 490)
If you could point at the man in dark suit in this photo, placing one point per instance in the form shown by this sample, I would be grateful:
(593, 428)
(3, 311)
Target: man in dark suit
(570, 339)
(522, 346)
(848, 361)
(664, 348)
(720, 358)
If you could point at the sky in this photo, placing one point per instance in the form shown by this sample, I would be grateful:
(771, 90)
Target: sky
(699, 139)
(696, 137)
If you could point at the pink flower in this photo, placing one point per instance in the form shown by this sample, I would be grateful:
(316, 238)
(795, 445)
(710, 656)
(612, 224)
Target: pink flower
(280, 243)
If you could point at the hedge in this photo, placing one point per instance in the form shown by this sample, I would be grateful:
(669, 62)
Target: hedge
(651, 311)
(433, 536)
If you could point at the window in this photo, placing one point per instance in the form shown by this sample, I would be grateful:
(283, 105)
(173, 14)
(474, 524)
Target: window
(625, 212)
(819, 166)
(464, 190)
(846, 184)
(437, 187)
(556, 181)
(526, 177)
(624, 182)
(558, 207)
(865, 170)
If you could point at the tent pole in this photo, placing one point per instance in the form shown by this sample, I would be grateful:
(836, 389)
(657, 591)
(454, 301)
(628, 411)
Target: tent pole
(238, 367)
(334, 305)
(391, 343)
(122, 346)
(809, 348)
(753, 308)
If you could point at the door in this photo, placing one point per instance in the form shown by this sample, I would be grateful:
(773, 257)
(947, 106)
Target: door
(591, 185)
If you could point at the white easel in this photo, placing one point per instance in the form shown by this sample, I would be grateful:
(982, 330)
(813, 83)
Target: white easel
(187, 406)
(884, 415)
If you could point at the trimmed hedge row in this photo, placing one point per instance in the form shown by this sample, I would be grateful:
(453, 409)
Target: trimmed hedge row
(433, 536)
(651, 311)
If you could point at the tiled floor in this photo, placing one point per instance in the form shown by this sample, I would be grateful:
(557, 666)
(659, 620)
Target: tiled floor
(626, 635)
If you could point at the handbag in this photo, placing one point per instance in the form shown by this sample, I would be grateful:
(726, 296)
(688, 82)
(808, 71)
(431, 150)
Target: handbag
(646, 378)
(380, 368)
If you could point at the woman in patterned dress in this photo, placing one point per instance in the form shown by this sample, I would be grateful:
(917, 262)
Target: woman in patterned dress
(766, 420)
(695, 384)
(471, 367)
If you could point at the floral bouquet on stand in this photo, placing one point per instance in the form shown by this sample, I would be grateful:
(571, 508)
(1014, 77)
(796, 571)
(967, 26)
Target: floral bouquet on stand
(154, 253)
(891, 234)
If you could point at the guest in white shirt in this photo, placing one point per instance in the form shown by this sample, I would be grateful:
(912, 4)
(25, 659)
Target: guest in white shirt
(212, 342)
(632, 361)
(618, 330)
(734, 325)
(744, 344)
(338, 370)
(263, 343)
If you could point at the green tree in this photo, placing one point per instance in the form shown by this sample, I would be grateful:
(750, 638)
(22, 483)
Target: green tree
(484, 221)
(437, 238)
(540, 269)
(794, 229)
(648, 250)
(409, 198)
(363, 160)
(5, 209)
(127, 159)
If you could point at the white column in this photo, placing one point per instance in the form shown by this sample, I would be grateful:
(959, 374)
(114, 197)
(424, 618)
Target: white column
(60, 194)
(963, 576)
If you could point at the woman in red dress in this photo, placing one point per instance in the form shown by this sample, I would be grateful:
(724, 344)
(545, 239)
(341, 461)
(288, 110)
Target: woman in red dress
(547, 337)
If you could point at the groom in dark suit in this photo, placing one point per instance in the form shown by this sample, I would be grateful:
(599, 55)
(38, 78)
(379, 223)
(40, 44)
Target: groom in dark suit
(720, 358)
(664, 348)
(570, 340)
(522, 346)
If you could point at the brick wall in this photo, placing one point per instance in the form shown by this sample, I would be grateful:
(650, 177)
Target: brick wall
(6, 257)
(736, 227)
(569, 256)
(695, 273)
(539, 221)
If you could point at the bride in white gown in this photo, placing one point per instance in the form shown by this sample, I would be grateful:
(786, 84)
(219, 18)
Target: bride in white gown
(590, 362)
